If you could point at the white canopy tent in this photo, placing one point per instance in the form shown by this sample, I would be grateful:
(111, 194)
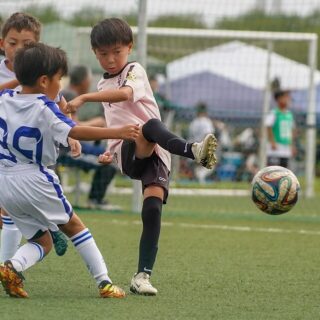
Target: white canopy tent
(232, 78)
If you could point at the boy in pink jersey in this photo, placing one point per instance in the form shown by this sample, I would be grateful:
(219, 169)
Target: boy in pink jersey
(127, 98)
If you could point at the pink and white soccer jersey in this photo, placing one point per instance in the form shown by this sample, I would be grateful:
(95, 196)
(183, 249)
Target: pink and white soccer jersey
(31, 130)
(138, 111)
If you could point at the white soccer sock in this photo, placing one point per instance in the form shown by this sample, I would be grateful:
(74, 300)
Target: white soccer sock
(87, 248)
(27, 255)
(10, 239)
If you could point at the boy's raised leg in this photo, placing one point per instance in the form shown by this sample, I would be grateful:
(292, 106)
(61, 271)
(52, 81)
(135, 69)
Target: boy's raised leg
(154, 131)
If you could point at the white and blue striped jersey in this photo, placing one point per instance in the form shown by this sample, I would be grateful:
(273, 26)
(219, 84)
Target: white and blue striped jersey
(6, 75)
(31, 129)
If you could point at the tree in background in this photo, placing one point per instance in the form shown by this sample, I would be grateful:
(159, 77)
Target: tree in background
(178, 21)
(87, 16)
(259, 21)
(46, 14)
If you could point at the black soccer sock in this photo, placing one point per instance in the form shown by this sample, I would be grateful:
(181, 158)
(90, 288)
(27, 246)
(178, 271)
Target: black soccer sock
(155, 131)
(151, 224)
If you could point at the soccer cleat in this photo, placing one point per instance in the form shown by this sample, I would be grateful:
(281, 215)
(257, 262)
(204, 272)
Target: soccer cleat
(109, 290)
(12, 281)
(140, 284)
(204, 151)
(60, 242)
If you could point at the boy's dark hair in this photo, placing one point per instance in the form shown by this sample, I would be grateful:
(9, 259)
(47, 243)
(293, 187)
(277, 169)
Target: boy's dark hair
(110, 32)
(78, 74)
(22, 21)
(201, 107)
(38, 59)
(279, 93)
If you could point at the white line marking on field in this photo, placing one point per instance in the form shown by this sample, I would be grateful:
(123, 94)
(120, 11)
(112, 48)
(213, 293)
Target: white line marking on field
(224, 227)
(192, 192)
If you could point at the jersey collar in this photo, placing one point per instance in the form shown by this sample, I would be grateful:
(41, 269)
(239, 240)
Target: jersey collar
(107, 75)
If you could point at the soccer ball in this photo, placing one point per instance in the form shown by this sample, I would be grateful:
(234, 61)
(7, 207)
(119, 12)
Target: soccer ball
(275, 190)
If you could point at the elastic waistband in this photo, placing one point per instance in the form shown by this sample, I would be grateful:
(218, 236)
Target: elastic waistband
(19, 169)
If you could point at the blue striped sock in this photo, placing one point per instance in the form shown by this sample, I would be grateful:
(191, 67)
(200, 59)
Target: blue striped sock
(27, 256)
(87, 248)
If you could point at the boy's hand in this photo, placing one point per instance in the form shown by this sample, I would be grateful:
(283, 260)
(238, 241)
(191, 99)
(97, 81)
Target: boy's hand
(273, 145)
(75, 147)
(74, 104)
(129, 132)
(294, 150)
(105, 158)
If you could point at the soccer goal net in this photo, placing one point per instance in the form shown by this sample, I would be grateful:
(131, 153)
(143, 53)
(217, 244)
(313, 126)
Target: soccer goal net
(231, 78)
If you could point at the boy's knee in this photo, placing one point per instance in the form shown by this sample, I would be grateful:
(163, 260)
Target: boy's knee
(152, 208)
(149, 128)
(152, 122)
(45, 241)
(74, 226)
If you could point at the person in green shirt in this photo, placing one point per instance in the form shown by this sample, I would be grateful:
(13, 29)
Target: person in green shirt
(281, 131)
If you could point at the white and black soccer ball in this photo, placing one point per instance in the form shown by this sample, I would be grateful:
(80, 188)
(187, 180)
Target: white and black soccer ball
(275, 190)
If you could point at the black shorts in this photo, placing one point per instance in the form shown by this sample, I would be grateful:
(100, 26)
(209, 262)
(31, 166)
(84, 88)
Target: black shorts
(276, 161)
(150, 171)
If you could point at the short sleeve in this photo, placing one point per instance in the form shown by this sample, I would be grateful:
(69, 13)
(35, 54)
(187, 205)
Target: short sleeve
(135, 77)
(270, 118)
(60, 128)
(58, 98)
(58, 124)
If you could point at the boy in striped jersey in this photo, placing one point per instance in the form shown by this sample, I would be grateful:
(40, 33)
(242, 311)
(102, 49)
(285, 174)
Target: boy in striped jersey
(31, 129)
(19, 30)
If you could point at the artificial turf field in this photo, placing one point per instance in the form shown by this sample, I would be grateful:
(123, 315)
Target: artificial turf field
(219, 258)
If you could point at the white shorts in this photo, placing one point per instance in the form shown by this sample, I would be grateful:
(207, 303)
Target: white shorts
(33, 198)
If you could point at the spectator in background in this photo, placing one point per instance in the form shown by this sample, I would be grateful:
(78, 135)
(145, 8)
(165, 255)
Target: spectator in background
(165, 105)
(246, 142)
(80, 82)
(281, 131)
(199, 127)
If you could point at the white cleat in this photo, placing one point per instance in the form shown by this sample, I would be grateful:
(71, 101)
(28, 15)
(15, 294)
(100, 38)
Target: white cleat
(204, 151)
(140, 284)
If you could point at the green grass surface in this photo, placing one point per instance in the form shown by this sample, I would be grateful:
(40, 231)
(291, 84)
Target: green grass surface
(218, 259)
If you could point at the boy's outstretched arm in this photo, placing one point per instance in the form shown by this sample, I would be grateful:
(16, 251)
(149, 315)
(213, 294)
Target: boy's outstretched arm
(114, 95)
(129, 132)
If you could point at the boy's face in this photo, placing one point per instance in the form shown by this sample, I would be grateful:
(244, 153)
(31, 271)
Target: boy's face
(51, 86)
(113, 58)
(284, 101)
(13, 41)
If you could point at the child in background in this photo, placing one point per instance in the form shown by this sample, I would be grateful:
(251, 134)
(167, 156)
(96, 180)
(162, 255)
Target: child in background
(127, 98)
(281, 130)
(32, 129)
